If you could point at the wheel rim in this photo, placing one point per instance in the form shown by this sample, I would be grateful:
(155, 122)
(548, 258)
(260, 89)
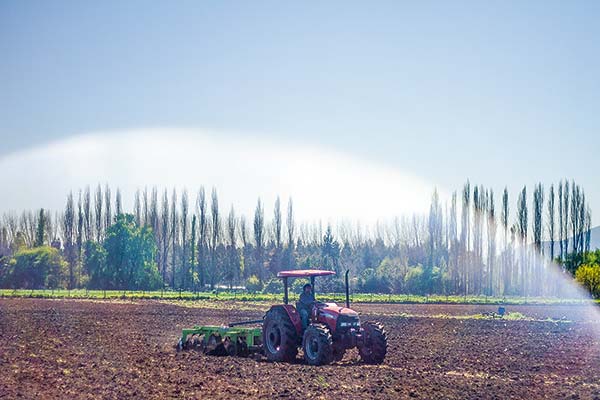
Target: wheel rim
(274, 339)
(312, 348)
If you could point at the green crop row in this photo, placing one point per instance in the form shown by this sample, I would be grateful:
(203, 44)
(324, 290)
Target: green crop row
(274, 298)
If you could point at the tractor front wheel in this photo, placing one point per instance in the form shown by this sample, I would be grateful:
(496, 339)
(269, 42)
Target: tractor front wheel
(374, 347)
(279, 336)
(338, 353)
(317, 345)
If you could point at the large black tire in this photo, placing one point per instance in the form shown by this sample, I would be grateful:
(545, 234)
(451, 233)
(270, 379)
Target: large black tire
(374, 348)
(280, 340)
(317, 345)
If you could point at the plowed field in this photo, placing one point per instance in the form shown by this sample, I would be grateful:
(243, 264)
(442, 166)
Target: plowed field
(115, 350)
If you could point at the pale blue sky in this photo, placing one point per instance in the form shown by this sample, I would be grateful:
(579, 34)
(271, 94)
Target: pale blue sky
(499, 92)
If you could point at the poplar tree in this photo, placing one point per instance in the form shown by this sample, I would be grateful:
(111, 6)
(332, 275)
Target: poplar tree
(203, 236)
(193, 252)
(259, 226)
(174, 235)
(551, 218)
(290, 225)
(215, 236)
(491, 244)
(108, 210)
(68, 236)
(41, 228)
(165, 237)
(232, 267)
(137, 208)
(184, 239)
(561, 216)
(98, 216)
(522, 232)
(87, 215)
(118, 203)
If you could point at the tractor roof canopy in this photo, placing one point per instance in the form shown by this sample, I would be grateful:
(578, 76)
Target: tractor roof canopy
(304, 273)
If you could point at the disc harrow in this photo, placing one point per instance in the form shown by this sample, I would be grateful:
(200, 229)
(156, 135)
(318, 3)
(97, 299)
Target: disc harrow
(221, 340)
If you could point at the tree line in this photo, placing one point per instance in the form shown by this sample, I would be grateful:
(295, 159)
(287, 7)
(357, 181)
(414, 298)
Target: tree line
(468, 245)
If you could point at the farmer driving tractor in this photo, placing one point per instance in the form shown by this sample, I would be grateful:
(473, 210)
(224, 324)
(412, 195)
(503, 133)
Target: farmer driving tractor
(307, 298)
(324, 331)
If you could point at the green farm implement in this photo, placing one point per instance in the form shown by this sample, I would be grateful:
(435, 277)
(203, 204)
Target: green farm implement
(232, 340)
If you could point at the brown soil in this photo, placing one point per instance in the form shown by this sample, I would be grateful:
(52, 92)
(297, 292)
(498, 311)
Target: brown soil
(84, 349)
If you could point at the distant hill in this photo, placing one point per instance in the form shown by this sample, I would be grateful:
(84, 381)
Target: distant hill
(594, 241)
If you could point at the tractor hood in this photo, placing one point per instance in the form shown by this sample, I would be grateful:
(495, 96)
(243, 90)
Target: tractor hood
(335, 310)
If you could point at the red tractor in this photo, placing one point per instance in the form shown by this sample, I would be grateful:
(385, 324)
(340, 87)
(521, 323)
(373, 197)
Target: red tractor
(330, 332)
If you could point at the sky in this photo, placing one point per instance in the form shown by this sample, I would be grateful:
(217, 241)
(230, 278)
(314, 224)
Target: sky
(418, 94)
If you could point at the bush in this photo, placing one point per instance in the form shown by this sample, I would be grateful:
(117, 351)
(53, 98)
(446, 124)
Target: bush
(36, 268)
(4, 271)
(388, 277)
(253, 284)
(589, 277)
(413, 280)
(95, 265)
(369, 282)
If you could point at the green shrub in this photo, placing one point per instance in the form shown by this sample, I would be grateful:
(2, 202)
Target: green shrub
(413, 280)
(253, 284)
(36, 268)
(589, 277)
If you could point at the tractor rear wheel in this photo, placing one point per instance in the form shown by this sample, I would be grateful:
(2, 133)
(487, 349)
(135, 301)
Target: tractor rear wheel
(374, 348)
(317, 345)
(279, 336)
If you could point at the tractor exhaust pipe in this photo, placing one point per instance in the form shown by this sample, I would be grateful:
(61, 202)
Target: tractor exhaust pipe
(347, 290)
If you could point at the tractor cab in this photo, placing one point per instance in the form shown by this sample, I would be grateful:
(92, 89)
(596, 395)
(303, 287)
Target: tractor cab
(302, 273)
(327, 313)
